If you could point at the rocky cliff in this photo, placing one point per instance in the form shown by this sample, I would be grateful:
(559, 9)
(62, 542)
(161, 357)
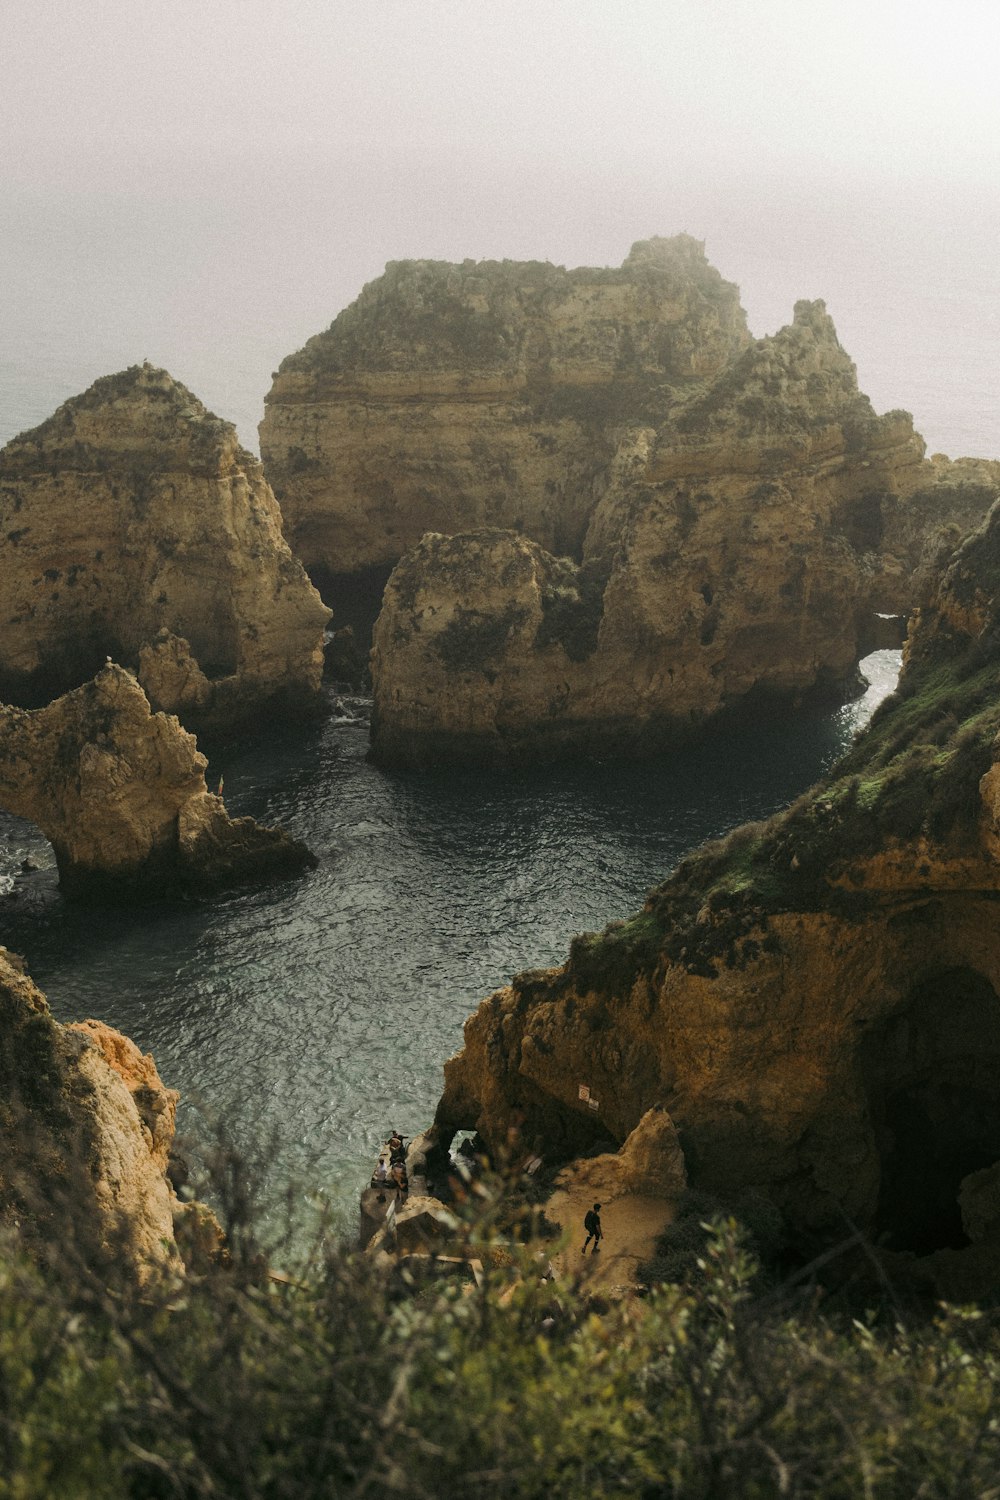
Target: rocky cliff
(133, 525)
(120, 793)
(740, 547)
(816, 1000)
(86, 1127)
(449, 397)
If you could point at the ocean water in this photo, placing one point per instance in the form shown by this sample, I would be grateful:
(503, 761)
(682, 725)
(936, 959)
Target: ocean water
(310, 1016)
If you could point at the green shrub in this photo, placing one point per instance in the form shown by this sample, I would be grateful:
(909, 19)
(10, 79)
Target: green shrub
(341, 1382)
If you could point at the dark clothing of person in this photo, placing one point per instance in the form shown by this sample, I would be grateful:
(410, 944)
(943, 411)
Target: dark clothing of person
(592, 1224)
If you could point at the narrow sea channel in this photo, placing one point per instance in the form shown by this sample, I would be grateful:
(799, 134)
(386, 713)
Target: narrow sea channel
(311, 1016)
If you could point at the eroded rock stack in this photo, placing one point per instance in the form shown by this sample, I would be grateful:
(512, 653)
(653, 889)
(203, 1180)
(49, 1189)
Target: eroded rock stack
(738, 549)
(816, 1000)
(625, 516)
(133, 526)
(120, 793)
(449, 397)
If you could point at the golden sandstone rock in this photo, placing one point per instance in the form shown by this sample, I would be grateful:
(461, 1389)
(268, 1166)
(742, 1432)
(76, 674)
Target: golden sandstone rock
(736, 550)
(120, 793)
(85, 1128)
(814, 1000)
(450, 397)
(133, 525)
(614, 515)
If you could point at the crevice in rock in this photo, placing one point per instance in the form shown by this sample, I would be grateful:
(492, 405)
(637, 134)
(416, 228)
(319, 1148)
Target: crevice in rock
(881, 632)
(933, 1081)
(355, 598)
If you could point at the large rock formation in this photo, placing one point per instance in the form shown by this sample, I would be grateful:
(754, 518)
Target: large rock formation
(448, 397)
(120, 793)
(739, 548)
(85, 1126)
(132, 524)
(816, 1000)
(713, 516)
(627, 515)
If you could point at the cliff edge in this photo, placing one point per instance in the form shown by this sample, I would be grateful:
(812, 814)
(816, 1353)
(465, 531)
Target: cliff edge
(86, 1126)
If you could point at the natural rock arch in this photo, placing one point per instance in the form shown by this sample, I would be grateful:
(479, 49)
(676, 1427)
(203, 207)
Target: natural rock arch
(120, 793)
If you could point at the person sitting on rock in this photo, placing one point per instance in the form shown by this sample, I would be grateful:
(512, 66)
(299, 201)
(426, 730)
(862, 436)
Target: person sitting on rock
(592, 1224)
(397, 1150)
(399, 1177)
(381, 1172)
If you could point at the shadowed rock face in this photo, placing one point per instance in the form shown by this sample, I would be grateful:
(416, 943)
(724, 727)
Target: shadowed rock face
(816, 999)
(120, 793)
(85, 1128)
(738, 549)
(450, 397)
(132, 524)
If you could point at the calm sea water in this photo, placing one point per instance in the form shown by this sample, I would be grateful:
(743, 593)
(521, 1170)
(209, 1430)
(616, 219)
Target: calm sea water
(321, 1010)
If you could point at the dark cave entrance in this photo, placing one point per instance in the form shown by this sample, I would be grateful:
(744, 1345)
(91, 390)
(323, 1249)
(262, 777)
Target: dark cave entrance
(933, 1081)
(355, 598)
(356, 601)
(881, 632)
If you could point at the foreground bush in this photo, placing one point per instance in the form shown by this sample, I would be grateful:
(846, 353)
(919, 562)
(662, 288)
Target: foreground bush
(343, 1384)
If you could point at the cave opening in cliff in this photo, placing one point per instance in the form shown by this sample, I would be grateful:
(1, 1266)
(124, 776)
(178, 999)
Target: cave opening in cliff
(934, 1094)
(355, 598)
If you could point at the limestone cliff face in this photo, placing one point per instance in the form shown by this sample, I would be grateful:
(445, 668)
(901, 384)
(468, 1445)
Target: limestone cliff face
(737, 548)
(958, 602)
(85, 1126)
(450, 397)
(815, 1001)
(132, 524)
(120, 793)
(919, 534)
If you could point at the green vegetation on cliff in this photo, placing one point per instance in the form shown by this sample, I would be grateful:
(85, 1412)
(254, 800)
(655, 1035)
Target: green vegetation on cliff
(912, 775)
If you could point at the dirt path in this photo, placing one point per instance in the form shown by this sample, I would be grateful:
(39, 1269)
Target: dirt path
(631, 1224)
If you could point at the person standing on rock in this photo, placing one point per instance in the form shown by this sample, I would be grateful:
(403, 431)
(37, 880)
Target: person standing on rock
(592, 1224)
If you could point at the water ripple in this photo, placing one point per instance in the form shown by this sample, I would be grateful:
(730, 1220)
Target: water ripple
(321, 1010)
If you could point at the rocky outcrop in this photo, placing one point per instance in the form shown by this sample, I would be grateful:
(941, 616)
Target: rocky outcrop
(815, 1001)
(449, 397)
(626, 516)
(738, 549)
(919, 534)
(120, 793)
(132, 524)
(85, 1126)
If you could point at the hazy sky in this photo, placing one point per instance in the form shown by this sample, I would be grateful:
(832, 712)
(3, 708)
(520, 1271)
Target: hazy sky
(114, 92)
(264, 158)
